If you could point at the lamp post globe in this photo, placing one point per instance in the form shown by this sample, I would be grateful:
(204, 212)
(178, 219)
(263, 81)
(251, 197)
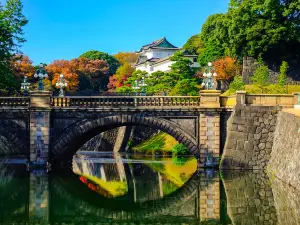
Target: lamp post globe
(61, 84)
(208, 77)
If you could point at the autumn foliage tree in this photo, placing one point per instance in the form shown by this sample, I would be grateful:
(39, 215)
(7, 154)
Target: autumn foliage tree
(226, 68)
(63, 67)
(119, 79)
(93, 74)
(81, 73)
(126, 57)
(22, 66)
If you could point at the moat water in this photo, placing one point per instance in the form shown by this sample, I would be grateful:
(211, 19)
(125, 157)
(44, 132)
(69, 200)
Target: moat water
(102, 188)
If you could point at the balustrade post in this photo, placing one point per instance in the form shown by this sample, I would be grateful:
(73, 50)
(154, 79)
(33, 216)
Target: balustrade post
(210, 98)
(40, 108)
(241, 97)
(297, 100)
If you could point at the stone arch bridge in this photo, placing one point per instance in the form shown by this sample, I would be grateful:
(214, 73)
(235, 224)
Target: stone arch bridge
(54, 128)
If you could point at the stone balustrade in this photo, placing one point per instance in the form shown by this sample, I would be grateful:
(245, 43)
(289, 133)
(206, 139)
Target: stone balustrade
(205, 100)
(126, 101)
(14, 102)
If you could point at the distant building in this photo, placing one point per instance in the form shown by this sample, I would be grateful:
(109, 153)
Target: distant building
(156, 56)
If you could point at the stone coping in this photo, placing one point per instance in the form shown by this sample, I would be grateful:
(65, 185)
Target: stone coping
(293, 111)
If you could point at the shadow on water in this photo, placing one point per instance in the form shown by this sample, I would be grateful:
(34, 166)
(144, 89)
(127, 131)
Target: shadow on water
(133, 190)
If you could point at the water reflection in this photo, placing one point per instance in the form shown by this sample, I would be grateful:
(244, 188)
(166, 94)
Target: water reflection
(113, 176)
(133, 190)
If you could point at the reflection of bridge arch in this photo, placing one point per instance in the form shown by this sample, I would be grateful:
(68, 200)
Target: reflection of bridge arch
(13, 133)
(93, 204)
(81, 132)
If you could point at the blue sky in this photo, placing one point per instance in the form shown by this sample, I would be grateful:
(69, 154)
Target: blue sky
(64, 29)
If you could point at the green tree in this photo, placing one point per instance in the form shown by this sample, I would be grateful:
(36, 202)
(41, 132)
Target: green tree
(283, 73)
(158, 83)
(261, 75)
(214, 36)
(259, 26)
(12, 22)
(181, 76)
(194, 45)
(111, 61)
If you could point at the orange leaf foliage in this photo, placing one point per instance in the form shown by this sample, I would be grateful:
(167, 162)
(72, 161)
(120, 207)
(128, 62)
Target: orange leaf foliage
(22, 66)
(93, 68)
(63, 67)
(227, 68)
(126, 57)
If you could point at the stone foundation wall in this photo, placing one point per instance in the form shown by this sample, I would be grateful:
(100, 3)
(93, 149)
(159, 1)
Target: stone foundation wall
(285, 157)
(250, 135)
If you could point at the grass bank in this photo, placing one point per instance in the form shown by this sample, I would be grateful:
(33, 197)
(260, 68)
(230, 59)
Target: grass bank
(159, 143)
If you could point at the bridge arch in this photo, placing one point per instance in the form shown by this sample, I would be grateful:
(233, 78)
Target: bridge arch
(12, 133)
(67, 145)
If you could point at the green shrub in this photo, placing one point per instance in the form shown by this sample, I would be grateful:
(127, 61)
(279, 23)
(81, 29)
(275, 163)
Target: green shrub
(236, 85)
(179, 150)
(283, 71)
(261, 76)
(179, 161)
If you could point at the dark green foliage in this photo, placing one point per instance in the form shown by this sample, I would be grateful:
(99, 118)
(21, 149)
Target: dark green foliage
(214, 35)
(252, 28)
(180, 150)
(12, 22)
(112, 61)
(193, 45)
(259, 26)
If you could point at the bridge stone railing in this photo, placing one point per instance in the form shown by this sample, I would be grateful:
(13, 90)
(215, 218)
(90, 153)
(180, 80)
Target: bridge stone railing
(126, 101)
(14, 102)
(242, 98)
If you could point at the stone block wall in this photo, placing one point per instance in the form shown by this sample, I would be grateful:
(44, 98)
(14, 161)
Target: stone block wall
(285, 156)
(250, 137)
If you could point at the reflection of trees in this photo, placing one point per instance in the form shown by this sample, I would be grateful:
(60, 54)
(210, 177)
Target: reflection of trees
(69, 195)
(13, 193)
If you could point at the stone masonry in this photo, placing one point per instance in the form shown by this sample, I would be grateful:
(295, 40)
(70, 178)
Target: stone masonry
(40, 102)
(250, 137)
(285, 156)
(209, 138)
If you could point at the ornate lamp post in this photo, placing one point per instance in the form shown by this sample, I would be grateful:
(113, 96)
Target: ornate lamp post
(208, 78)
(61, 83)
(136, 86)
(25, 86)
(41, 74)
(140, 84)
(143, 86)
